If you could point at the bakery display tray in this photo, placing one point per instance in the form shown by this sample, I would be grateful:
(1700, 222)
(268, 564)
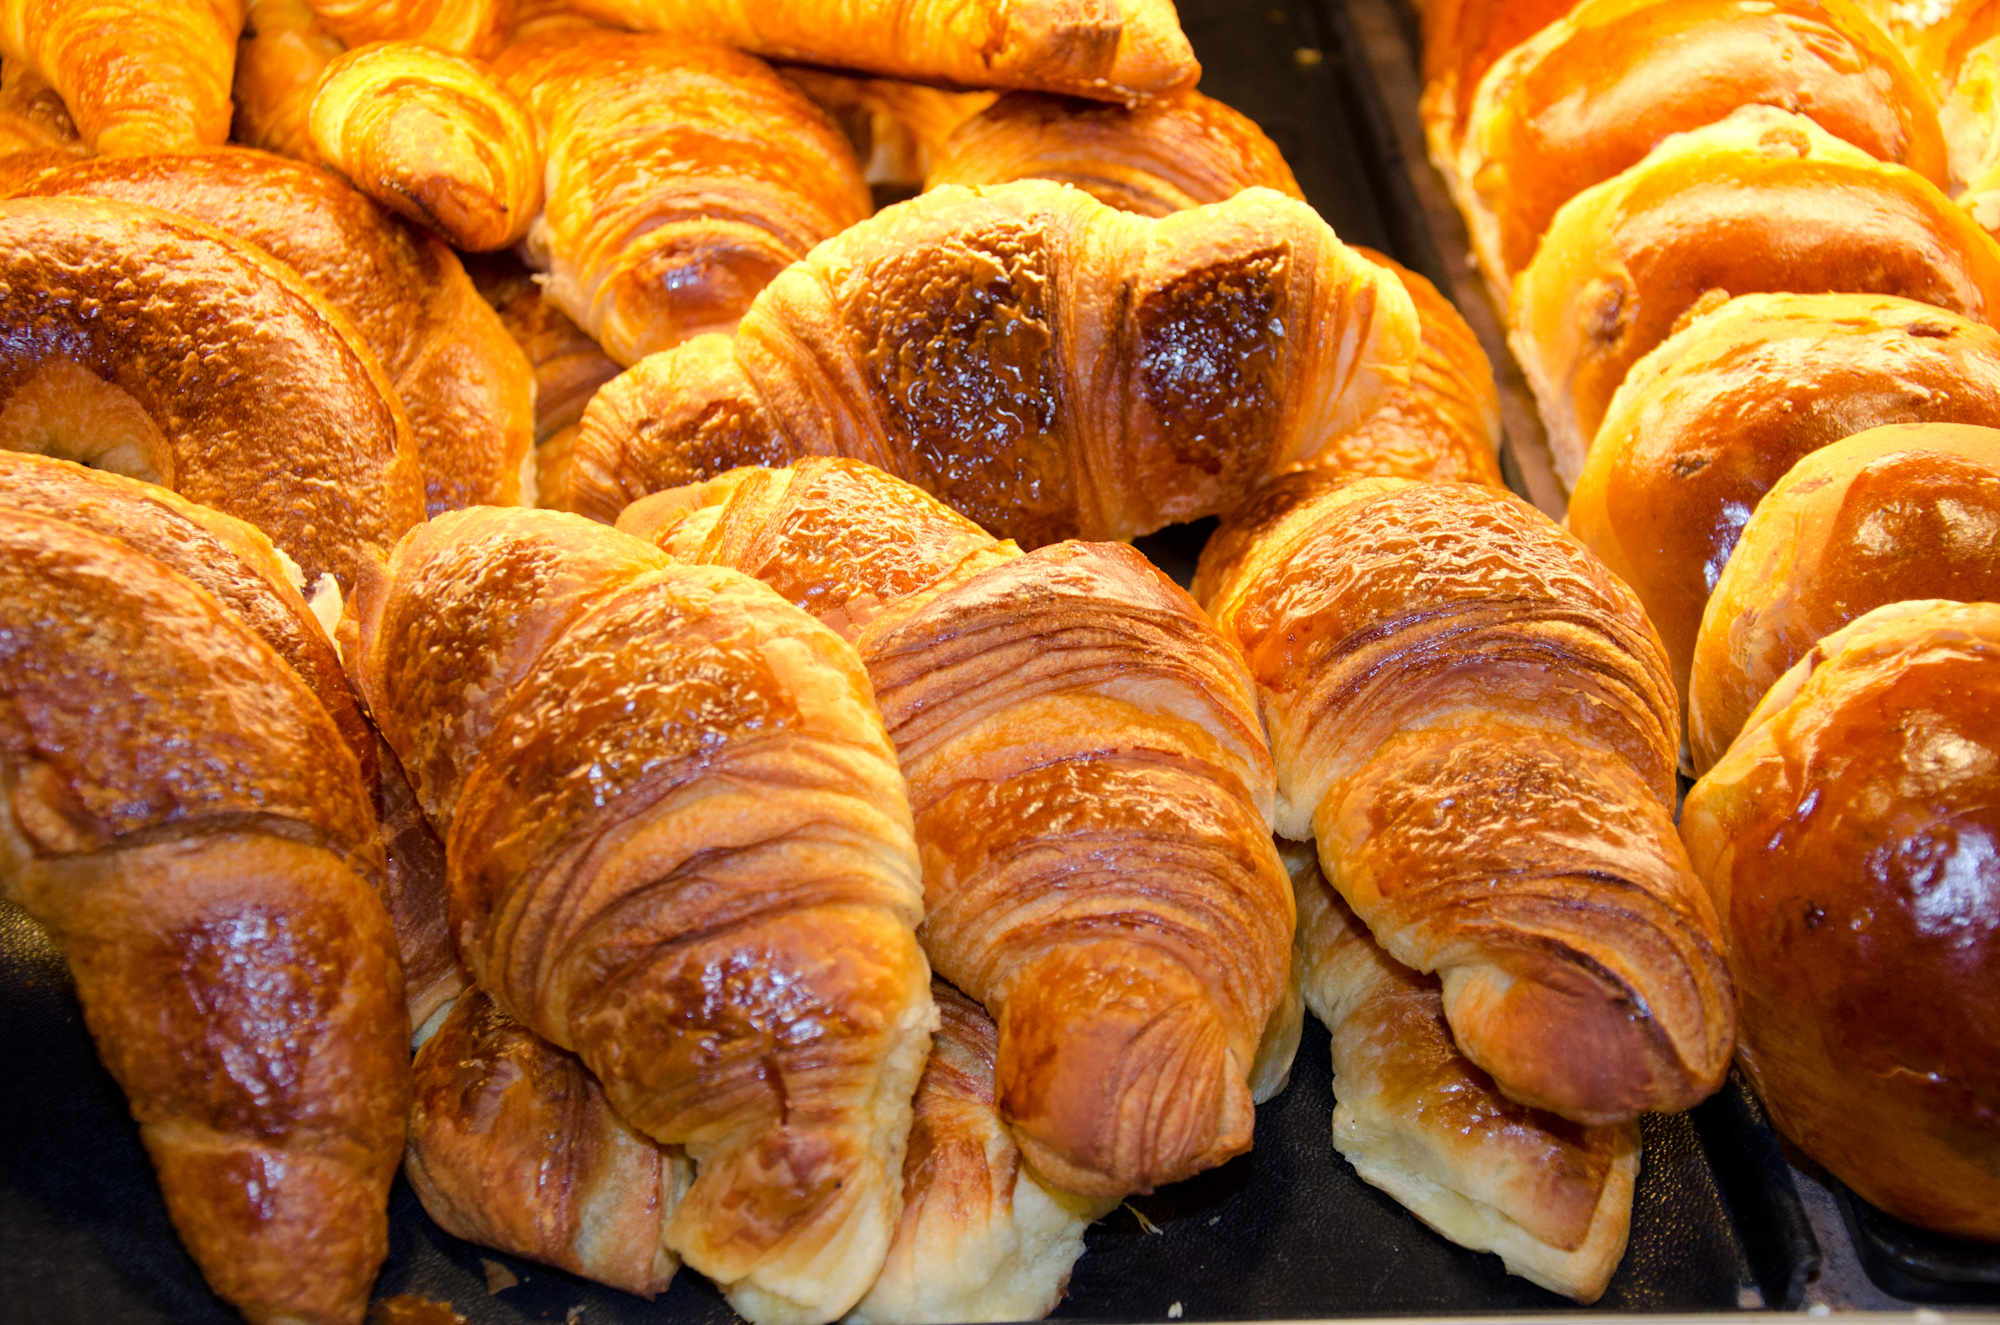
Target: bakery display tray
(1286, 1232)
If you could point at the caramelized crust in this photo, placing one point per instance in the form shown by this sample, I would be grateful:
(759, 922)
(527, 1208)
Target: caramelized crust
(681, 176)
(1418, 1120)
(1849, 838)
(1090, 788)
(1595, 93)
(137, 75)
(1910, 511)
(1117, 373)
(897, 129)
(1719, 413)
(185, 817)
(464, 384)
(679, 849)
(152, 345)
(1763, 201)
(1473, 718)
(1114, 50)
(1167, 155)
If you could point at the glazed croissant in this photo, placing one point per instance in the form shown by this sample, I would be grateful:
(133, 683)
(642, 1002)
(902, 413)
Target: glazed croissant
(1418, 1120)
(1122, 50)
(466, 387)
(1474, 720)
(137, 77)
(680, 849)
(1046, 365)
(188, 821)
(1090, 787)
(293, 428)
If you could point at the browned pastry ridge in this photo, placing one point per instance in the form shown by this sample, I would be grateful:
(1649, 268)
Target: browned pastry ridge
(1849, 839)
(1115, 50)
(1902, 512)
(1044, 364)
(465, 385)
(187, 820)
(147, 343)
(679, 848)
(681, 178)
(1473, 718)
(1091, 794)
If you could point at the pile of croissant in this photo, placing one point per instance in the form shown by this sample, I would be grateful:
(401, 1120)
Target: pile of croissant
(1757, 308)
(517, 562)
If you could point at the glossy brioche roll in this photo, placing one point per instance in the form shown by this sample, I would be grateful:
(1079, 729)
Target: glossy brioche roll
(1091, 374)
(1848, 838)
(432, 136)
(681, 178)
(1418, 1120)
(1708, 422)
(1462, 39)
(897, 129)
(680, 849)
(279, 59)
(1472, 717)
(151, 345)
(186, 819)
(513, 1146)
(1121, 50)
(1763, 201)
(1090, 789)
(1591, 95)
(1167, 155)
(137, 75)
(467, 390)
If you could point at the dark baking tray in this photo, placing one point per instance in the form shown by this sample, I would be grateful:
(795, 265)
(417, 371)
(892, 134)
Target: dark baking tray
(1286, 1232)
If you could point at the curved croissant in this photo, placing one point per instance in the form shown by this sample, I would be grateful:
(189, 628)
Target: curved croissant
(1418, 1120)
(187, 820)
(1121, 50)
(279, 59)
(680, 849)
(205, 366)
(32, 116)
(464, 384)
(681, 178)
(1089, 784)
(1042, 363)
(149, 76)
(1474, 720)
(1902, 512)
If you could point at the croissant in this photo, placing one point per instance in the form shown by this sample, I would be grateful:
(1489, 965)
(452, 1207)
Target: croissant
(1423, 1124)
(1847, 837)
(897, 129)
(1089, 785)
(430, 135)
(1166, 155)
(137, 77)
(681, 178)
(1801, 211)
(1902, 512)
(187, 820)
(1091, 374)
(32, 117)
(279, 58)
(1707, 423)
(463, 27)
(1591, 95)
(203, 365)
(568, 365)
(1121, 50)
(1473, 719)
(680, 849)
(468, 393)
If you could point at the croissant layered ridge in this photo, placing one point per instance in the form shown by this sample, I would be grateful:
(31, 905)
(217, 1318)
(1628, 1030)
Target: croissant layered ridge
(1475, 722)
(1091, 792)
(1047, 365)
(679, 847)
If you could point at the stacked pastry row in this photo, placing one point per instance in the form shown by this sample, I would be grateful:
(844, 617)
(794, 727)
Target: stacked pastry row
(1725, 287)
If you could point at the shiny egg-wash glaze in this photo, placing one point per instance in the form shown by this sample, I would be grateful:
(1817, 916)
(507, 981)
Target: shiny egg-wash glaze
(1851, 837)
(148, 343)
(1044, 364)
(186, 819)
(1091, 795)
